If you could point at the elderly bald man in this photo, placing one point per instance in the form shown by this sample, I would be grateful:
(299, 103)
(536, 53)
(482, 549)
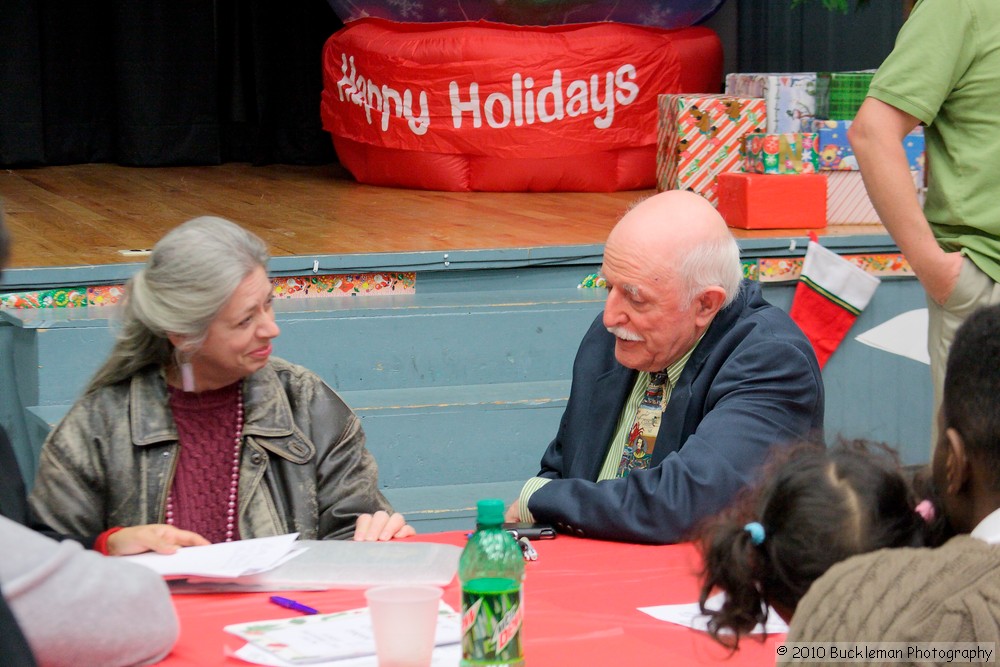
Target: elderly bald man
(681, 387)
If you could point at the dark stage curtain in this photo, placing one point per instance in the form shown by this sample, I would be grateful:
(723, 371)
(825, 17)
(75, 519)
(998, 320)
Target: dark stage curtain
(162, 82)
(811, 38)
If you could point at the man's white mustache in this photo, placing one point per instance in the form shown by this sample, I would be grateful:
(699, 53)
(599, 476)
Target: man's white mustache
(624, 334)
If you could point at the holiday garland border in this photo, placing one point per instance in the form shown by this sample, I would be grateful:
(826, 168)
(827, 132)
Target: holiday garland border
(295, 287)
(764, 269)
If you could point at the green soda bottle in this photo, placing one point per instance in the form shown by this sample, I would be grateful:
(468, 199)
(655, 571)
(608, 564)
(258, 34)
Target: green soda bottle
(491, 571)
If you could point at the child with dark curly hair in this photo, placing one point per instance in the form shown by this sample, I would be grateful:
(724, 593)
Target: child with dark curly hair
(813, 508)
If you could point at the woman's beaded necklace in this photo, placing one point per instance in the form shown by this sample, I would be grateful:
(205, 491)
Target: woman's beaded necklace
(234, 475)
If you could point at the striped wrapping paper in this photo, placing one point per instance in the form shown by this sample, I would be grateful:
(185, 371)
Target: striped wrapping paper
(847, 201)
(700, 136)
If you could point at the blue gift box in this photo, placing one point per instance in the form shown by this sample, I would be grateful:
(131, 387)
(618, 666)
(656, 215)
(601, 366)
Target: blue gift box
(835, 152)
(913, 144)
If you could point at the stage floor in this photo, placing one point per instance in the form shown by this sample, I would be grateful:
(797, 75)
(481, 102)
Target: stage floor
(97, 213)
(88, 214)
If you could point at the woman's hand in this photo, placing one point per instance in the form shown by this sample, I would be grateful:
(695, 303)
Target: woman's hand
(158, 537)
(381, 526)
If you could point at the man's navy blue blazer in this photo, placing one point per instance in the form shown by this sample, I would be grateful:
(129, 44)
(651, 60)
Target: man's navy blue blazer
(752, 384)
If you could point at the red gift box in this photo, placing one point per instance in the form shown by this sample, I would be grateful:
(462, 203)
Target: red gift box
(772, 201)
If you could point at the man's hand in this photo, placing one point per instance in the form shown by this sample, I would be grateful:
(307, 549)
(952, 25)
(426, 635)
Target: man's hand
(381, 527)
(940, 282)
(158, 537)
(513, 514)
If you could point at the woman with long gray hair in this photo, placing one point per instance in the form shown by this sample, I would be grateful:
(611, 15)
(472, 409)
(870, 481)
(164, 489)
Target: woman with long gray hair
(192, 422)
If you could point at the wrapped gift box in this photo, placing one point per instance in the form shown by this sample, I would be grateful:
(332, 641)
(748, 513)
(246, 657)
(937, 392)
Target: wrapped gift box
(913, 144)
(788, 153)
(773, 201)
(700, 137)
(790, 98)
(847, 201)
(839, 94)
(835, 151)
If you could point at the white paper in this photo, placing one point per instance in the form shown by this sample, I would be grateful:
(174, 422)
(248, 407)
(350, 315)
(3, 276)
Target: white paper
(905, 335)
(689, 615)
(226, 559)
(343, 564)
(340, 638)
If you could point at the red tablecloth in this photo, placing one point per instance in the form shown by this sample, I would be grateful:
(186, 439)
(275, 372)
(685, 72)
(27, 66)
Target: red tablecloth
(581, 608)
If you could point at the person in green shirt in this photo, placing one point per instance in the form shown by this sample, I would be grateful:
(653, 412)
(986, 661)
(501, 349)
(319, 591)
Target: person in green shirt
(944, 73)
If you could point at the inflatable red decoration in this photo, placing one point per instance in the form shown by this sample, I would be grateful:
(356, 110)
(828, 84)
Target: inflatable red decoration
(483, 106)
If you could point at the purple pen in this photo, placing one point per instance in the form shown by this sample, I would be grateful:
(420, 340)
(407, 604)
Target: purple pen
(292, 604)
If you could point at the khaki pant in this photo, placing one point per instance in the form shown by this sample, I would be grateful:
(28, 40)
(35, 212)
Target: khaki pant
(973, 290)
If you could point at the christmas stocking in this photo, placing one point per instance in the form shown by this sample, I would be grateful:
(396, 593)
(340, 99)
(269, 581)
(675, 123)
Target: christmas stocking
(830, 295)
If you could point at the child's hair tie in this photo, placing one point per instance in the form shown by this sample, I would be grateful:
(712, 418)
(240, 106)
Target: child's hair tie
(925, 508)
(756, 533)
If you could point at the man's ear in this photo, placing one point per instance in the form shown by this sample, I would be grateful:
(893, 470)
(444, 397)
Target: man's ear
(956, 462)
(707, 304)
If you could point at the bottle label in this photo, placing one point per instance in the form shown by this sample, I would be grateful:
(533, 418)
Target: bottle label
(491, 627)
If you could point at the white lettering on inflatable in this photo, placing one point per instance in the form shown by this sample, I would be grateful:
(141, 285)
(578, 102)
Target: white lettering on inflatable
(356, 89)
(522, 106)
(489, 110)
(554, 90)
(457, 106)
(529, 101)
(418, 124)
(404, 109)
(609, 100)
(373, 92)
(627, 91)
(390, 96)
(549, 104)
(346, 84)
(517, 92)
(576, 99)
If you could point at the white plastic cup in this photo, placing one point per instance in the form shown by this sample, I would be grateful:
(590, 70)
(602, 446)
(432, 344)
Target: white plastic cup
(404, 622)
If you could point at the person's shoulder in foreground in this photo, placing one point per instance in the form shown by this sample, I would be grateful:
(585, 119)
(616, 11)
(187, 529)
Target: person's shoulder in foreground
(951, 593)
(948, 594)
(743, 379)
(76, 606)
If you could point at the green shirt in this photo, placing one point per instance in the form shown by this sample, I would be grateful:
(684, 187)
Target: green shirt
(945, 71)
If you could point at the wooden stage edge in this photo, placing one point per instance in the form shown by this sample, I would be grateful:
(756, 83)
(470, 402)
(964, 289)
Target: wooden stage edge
(95, 214)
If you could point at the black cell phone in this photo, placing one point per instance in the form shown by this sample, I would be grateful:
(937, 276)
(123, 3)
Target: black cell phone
(533, 531)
